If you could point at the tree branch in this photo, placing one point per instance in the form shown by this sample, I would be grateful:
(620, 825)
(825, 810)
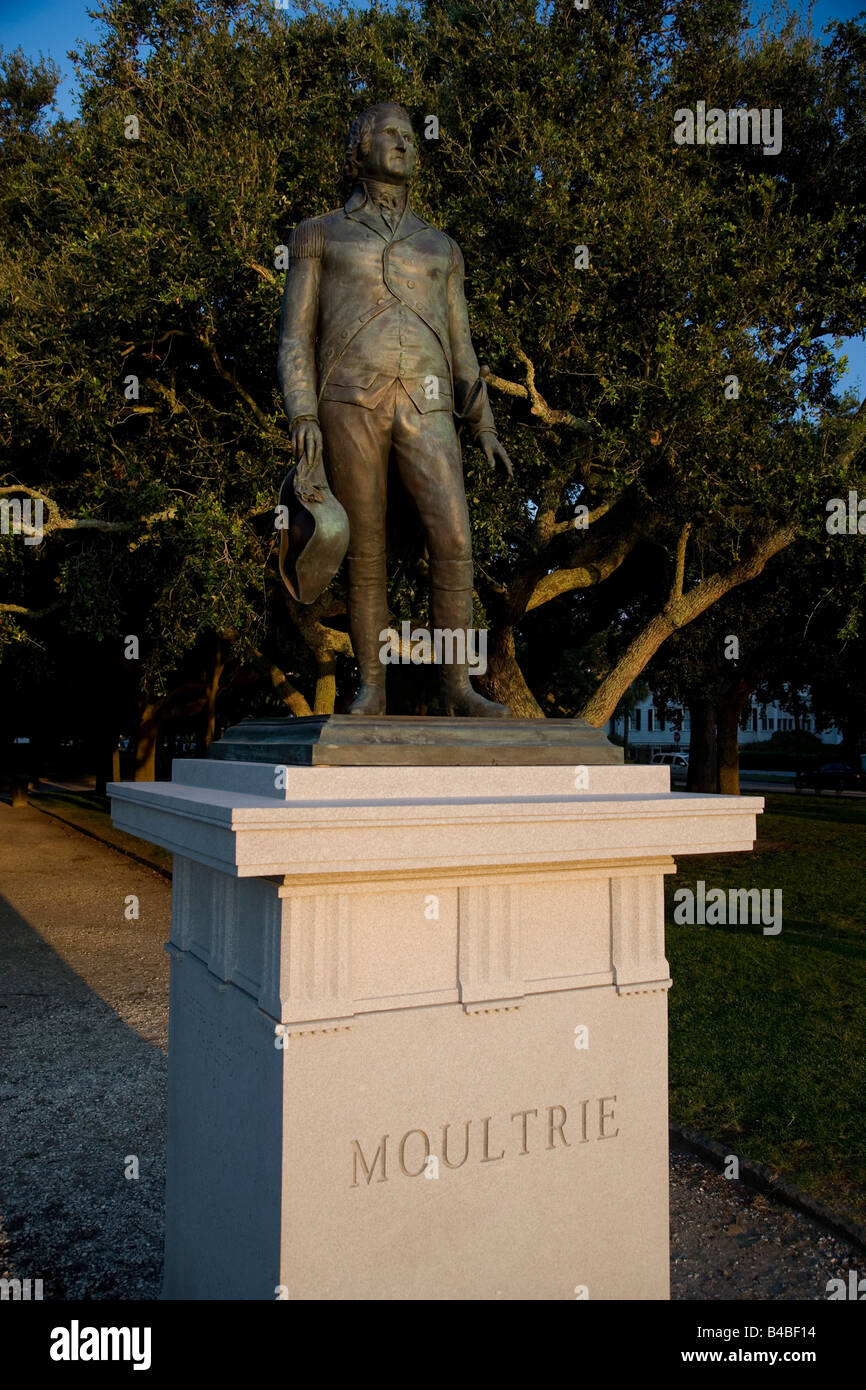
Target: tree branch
(30, 612)
(281, 685)
(563, 581)
(258, 414)
(680, 567)
(168, 393)
(57, 522)
(680, 610)
(263, 271)
(561, 528)
(539, 405)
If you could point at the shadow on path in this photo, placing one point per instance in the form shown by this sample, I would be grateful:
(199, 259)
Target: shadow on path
(83, 1016)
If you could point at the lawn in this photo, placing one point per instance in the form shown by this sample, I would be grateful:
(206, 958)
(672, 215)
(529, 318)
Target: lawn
(768, 1033)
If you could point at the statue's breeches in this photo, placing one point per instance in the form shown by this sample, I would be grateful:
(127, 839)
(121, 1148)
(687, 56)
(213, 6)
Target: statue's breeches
(358, 444)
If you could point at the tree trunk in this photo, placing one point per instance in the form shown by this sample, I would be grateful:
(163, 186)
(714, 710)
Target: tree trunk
(850, 748)
(149, 725)
(703, 769)
(186, 702)
(108, 765)
(503, 680)
(281, 685)
(211, 692)
(326, 683)
(730, 709)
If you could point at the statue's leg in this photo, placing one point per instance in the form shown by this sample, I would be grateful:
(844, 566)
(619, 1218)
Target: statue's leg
(427, 452)
(357, 444)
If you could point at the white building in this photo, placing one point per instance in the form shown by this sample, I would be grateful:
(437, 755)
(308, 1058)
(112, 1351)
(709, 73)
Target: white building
(653, 727)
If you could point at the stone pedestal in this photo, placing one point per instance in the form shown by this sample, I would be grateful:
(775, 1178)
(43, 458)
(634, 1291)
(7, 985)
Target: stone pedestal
(418, 1040)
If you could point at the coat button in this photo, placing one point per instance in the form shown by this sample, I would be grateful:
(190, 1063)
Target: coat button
(410, 284)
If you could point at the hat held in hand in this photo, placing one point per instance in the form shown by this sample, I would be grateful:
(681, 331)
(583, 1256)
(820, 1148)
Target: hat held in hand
(314, 542)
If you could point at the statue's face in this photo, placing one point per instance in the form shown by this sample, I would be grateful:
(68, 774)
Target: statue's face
(391, 156)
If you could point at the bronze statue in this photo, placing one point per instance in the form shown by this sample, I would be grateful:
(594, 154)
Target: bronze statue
(376, 363)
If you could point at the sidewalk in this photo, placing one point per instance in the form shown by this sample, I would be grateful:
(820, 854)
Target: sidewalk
(83, 1018)
(84, 1023)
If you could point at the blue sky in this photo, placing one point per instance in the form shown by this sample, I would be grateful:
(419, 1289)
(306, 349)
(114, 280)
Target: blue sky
(52, 27)
(49, 27)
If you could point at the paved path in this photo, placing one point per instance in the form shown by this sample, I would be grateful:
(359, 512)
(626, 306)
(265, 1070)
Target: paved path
(83, 1019)
(84, 1027)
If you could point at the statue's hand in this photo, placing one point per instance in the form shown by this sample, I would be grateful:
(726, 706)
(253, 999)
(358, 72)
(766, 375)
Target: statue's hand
(307, 447)
(494, 451)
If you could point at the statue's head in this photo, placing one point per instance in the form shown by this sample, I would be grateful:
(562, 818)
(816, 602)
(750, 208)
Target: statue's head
(381, 144)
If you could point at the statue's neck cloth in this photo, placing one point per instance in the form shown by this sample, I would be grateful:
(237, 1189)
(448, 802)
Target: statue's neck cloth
(389, 198)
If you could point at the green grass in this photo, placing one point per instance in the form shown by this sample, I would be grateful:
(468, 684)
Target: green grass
(768, 1034)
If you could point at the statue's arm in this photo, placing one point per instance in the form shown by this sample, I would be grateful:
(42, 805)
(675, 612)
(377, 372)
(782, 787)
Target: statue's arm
(466, 372)
(296, 362)
(468, 386)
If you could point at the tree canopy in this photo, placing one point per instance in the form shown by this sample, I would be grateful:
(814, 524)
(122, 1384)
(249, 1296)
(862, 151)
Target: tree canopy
(674, 388)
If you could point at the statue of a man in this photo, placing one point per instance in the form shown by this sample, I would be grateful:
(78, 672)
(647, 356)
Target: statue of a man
(375, 362)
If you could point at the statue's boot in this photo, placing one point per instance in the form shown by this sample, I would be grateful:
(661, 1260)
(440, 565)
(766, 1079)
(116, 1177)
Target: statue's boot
(451, 608)
(368, 617)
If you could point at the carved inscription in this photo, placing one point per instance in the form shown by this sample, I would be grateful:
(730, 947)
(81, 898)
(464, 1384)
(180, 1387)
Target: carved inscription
(485, 1140)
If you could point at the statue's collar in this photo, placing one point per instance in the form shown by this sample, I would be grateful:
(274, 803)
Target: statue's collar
(371, 191)
(393, 195)
(361, 206)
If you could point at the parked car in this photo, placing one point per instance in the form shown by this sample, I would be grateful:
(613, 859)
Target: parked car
(677, 762)
(835, 777)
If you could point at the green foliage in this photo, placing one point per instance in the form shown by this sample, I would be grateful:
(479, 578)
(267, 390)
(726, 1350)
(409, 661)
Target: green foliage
(155, 257)
(794, 741)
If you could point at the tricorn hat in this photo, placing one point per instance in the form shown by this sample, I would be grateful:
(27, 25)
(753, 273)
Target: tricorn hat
(316, 538)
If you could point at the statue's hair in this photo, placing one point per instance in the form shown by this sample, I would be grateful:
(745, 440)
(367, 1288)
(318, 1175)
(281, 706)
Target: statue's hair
(360, 131)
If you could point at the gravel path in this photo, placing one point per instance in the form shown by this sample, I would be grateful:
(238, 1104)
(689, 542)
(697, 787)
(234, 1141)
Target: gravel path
(83, 1019)
(730, 1242)
(84, 1030)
